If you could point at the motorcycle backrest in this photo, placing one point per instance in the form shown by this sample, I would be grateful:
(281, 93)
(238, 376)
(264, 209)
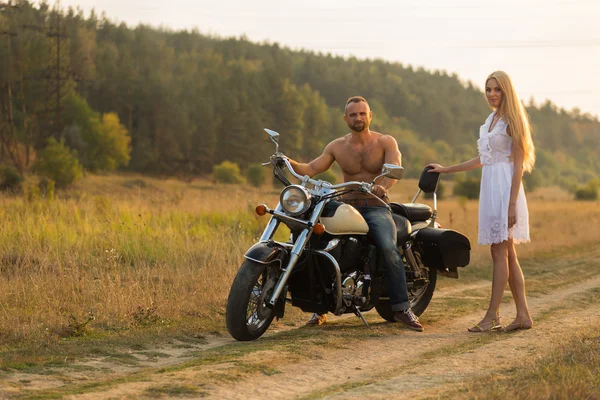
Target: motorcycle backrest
(429, 180)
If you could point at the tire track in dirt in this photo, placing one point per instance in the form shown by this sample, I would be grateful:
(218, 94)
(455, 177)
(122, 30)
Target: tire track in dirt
(378, 356)
(404, 365)
(384, 366)
(515, 349)
(173, 354)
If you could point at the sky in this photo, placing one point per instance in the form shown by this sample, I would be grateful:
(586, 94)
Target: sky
(550, 48)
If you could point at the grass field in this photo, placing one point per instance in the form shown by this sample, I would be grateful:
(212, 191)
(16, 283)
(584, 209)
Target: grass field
(119, 266)
(122, 254)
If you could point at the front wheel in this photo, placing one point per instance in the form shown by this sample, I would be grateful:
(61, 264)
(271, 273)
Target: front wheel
(247, 316)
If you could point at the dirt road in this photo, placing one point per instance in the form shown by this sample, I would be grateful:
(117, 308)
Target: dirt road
(340, 360)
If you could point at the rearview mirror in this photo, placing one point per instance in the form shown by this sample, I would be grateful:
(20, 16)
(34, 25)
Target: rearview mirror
(271, 136)
(392, 171)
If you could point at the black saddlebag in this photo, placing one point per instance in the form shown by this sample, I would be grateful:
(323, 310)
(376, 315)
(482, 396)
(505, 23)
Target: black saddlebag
(443, 249)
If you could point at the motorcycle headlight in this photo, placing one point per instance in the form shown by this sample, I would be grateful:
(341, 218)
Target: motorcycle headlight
(295, 200)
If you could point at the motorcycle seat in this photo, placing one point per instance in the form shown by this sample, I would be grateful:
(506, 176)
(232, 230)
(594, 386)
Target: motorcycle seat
(412, 211)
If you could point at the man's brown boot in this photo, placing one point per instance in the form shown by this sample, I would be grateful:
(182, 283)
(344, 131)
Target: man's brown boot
(317, 319)
(408, 319)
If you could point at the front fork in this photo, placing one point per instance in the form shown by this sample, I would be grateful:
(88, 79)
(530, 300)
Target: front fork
(297, 248)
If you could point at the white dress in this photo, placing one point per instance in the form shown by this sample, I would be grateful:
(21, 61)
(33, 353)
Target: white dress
(495, 151)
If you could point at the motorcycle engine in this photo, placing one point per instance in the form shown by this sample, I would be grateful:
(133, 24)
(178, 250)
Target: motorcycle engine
(355, 289)
(351, 255)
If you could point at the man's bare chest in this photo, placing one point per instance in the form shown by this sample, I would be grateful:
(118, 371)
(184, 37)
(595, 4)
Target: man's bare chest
(360, 159)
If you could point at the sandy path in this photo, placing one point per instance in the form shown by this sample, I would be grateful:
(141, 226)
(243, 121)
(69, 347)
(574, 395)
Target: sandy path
(381, 357)
(394, 366)
(405, 365)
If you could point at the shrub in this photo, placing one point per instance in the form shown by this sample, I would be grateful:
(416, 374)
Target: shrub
(102, 142)
(588, 192)
(35, 188)
(136, 184)
(228, 172)
(328, 176)
(58, 163)
(532, 181)
(468, 188)
(31, 189)
(257, 174)
(46, 186)
(10, 179)
(567, 184)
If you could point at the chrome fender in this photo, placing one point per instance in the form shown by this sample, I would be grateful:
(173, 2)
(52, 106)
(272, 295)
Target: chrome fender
(266, 253)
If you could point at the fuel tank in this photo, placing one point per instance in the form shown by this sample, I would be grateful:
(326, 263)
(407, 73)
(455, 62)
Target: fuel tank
(343, 219)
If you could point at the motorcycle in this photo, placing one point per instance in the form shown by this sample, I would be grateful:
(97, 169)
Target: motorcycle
(329, 264)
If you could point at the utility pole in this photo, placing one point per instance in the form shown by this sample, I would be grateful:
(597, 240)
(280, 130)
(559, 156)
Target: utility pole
(8, 138)
(57, 118)
(54, 77)
(54, 73)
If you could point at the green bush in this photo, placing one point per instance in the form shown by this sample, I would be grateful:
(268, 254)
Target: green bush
(10, 179)
(58, 163)
(257, 174)
(588, 192)
(532, 181)
(328, 176)
(31, 190)
(35, 188)
(468, 188)
(228, 172)
(102, 142)
(46, 186)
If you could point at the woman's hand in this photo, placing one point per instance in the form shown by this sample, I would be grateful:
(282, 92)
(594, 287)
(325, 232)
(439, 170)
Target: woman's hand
(512, 215)
(436, 168)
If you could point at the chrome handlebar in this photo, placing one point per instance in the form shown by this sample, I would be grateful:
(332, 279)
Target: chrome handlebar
(362, 186)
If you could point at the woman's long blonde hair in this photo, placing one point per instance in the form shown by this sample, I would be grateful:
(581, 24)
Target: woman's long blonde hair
(513, 112)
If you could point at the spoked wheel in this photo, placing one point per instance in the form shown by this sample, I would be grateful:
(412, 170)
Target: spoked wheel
(247, 315)
(419, 297)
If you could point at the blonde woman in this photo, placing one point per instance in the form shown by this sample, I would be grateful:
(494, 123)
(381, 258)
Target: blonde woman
(505, 152)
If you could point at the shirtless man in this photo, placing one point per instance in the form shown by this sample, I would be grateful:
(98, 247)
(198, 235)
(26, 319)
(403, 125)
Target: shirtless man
(361, 155)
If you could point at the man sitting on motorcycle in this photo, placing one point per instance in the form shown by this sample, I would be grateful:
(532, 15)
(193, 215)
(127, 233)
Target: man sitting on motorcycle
(361, 155)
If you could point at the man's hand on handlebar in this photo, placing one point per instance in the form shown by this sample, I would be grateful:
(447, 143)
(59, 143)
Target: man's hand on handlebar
(278, 159)
(379, 191)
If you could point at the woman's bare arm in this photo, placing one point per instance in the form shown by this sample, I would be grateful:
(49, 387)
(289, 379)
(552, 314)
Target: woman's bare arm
(465, 166)
(518, 157)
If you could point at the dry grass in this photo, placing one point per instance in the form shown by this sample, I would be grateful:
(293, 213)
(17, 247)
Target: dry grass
(121, 253)
(155, 255)
(570, 371)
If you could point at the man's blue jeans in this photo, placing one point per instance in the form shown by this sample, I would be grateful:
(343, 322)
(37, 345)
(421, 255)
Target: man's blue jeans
(382, 230)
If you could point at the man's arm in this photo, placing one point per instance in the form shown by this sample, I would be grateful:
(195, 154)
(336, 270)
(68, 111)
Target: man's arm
(391, 156)
(316, 166)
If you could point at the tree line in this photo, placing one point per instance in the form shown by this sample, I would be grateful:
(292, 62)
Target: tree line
(180, 102)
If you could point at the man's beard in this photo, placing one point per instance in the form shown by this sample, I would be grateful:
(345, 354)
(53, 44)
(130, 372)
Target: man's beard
(359, 126)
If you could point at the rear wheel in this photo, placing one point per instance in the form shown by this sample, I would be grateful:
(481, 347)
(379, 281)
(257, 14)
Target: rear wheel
(247, 316)
(419, 297)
